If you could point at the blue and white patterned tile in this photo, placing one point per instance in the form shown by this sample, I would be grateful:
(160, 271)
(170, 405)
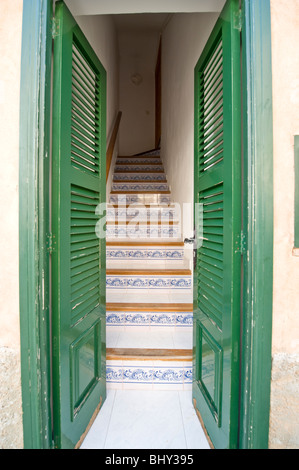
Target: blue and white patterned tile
(159, 319)
(139, 177)
(173, 375)
(184, 319)
(137, 231)
(116, 282)
(140, 186)
(145, 254)
(162, 319)
(149, 282)
(138, 168)
(137, 282)
(138, 160)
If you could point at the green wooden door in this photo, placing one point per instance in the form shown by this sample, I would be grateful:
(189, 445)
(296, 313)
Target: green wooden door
(217, 194)
(78, 259)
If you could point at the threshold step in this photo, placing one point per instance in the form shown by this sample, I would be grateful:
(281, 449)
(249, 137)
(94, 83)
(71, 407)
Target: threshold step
(149, 354)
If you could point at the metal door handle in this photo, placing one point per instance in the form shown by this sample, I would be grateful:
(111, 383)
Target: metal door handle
(189, 240)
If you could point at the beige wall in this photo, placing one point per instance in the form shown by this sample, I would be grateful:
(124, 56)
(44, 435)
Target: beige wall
(285, 57)
(10, 61)
(284, 425)
(10, 386)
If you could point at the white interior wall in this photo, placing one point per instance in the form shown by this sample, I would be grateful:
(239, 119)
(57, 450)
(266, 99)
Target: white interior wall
(138, 55)
(182, 43)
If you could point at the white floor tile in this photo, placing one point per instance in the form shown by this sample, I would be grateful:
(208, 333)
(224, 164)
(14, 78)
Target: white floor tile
(194, 433)
(96, 436)
(144, 419)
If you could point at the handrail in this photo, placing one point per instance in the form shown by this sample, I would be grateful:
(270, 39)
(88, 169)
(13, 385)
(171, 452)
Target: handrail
(110, 149)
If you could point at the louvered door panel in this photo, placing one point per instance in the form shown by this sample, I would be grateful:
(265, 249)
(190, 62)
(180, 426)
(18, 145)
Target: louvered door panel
(217, 184)
(85, 114)
(84, 252)
(79, 270)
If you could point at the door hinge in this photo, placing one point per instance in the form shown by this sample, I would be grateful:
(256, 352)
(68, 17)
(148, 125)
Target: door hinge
(243, 243)
(51, 243)
(55, 27)
(238, 20)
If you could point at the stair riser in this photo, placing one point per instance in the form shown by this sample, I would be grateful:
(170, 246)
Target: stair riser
(150, 254)
(150, 319)
(149, 283)
(139, 177)
(146, 232)
(141, 215)
(131, 374)
(128, 199)
(126, 187)
(137, 161)
(138, 168)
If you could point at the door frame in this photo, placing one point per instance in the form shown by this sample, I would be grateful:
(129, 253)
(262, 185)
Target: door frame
(35, 233)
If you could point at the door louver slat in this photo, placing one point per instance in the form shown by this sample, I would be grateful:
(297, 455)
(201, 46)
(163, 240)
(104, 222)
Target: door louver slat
(85, 251)
(85, 114)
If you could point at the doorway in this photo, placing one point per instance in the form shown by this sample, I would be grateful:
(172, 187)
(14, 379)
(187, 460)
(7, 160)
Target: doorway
(247, 11)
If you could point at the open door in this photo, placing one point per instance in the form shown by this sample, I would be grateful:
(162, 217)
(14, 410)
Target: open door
(217, 197)
(78, 255)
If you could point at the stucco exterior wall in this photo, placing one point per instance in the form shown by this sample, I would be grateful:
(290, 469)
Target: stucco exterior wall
(284, 422)
(10, 382)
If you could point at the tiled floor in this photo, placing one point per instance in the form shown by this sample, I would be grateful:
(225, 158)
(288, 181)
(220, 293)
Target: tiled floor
(142, 419)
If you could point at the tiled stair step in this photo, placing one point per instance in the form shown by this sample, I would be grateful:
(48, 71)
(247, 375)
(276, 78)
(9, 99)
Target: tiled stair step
(144, 177)
(138, 160)
(149, 354)
(152, 369)
(145, 198)
(138, 169)
(179, 315)
(149, 279)
(132, 230)
(140, 186)
(139, 231)
(152, 214)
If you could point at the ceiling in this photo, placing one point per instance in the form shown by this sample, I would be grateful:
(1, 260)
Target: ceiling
(105, 7)
(149, 22)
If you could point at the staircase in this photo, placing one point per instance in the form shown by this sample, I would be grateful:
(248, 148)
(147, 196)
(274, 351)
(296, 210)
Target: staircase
(148, 281)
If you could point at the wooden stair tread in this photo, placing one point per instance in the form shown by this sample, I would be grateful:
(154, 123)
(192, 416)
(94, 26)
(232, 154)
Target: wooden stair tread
(148, 272)
(152, 307)
(139, 192)
(135, 205)
(138, 156)
(143, 222)
(143, 243)
(139, 181)
(138, 171)
(148, 354)
(137, 163)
